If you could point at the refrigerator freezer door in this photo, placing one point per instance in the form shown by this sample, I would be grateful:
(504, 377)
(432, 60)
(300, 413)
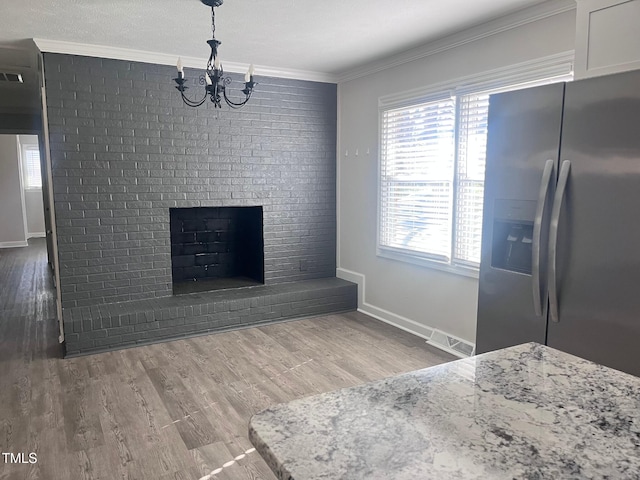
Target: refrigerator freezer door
(524, 132)
(598, 247)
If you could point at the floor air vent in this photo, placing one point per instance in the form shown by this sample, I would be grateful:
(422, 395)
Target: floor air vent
(10, 77)
(451, 344)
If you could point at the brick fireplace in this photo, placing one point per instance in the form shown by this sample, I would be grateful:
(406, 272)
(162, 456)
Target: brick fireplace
(126, 152)
(214, 248)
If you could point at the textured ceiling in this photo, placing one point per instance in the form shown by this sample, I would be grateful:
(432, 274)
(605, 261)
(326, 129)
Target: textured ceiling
(325, 37)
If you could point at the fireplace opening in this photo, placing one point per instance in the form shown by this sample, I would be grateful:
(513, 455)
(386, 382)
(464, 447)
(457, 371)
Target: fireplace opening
(214, 248)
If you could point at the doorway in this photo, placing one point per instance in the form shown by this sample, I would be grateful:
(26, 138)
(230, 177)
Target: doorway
(22, 215)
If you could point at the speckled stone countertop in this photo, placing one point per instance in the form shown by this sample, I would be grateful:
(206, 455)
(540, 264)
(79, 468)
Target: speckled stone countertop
(526, 412)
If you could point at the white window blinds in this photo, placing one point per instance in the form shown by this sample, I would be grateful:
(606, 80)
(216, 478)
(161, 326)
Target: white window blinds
(32, 175)
(416, 178)
(472, 145)
(432, 179)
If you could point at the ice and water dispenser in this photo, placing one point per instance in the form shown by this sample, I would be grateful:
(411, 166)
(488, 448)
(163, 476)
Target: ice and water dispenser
(513, 235)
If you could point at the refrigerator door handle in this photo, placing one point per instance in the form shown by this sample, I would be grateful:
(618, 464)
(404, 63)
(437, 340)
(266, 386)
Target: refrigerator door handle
(537, 233)
(553, 239)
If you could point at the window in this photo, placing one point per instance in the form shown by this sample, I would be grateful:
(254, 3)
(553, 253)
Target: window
(31, 165)
(432, 178)
(416, 178)
(432, 162)
(473, 113)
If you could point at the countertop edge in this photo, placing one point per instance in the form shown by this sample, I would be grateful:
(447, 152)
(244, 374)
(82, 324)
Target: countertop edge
(267, 455)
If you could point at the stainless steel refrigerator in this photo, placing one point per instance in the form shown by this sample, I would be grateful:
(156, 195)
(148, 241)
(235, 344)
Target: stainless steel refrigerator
(560, 258)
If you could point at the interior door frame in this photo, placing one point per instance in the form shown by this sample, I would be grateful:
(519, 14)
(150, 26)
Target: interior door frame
(48, 178)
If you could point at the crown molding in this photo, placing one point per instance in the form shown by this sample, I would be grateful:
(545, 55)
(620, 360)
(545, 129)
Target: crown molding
(473, 34)
(118, 53)
(557, 66)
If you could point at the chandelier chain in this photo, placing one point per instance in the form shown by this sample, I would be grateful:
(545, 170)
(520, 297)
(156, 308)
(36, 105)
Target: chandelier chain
(213, 22)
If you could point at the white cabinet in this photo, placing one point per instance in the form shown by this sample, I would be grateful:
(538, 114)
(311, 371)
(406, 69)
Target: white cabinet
(607, 37)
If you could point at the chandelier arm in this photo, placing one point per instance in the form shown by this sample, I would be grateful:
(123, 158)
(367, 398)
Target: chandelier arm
(193, 103)
(248, 91)
(233, 104)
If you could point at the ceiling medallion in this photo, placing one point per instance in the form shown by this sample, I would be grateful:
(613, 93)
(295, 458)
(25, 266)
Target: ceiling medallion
(215, 80)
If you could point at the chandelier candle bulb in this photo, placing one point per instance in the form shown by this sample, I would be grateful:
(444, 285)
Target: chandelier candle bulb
(180, 68)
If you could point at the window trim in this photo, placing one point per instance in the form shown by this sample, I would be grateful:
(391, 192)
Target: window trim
(556, 67)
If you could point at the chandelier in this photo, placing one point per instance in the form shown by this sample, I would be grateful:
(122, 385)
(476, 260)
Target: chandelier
(214, 78)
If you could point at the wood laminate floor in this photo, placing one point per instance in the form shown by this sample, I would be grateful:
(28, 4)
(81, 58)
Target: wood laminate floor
(176, 410)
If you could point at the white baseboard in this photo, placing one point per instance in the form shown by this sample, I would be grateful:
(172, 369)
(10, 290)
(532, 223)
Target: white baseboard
(21, 243)
(439, 339)
(36, 235)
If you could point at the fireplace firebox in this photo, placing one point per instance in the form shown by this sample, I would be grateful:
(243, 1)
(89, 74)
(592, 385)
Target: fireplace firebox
(215, 248)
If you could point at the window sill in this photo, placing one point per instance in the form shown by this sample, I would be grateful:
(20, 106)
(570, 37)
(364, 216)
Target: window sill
(413, 259)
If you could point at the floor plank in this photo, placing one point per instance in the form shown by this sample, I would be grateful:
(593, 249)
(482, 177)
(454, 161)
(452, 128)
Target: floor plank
(177, 410)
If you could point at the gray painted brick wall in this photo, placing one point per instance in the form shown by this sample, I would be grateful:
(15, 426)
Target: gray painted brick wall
(126, 324)
(125, 149)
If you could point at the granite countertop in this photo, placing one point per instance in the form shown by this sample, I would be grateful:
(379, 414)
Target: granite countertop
(526, 412)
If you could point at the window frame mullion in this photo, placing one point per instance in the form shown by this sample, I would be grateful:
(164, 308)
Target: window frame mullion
(454, 189)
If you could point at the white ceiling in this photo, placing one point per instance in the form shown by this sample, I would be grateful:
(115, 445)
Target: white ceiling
(329, 36)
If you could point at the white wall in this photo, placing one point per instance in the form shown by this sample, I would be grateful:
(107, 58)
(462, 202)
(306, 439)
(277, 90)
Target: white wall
(412, 296)
(33, 199)
(12, 228)
(35, 213)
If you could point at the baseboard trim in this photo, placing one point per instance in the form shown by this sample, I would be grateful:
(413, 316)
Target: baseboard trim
(21, 243)
(37, 235)
(433, 336)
